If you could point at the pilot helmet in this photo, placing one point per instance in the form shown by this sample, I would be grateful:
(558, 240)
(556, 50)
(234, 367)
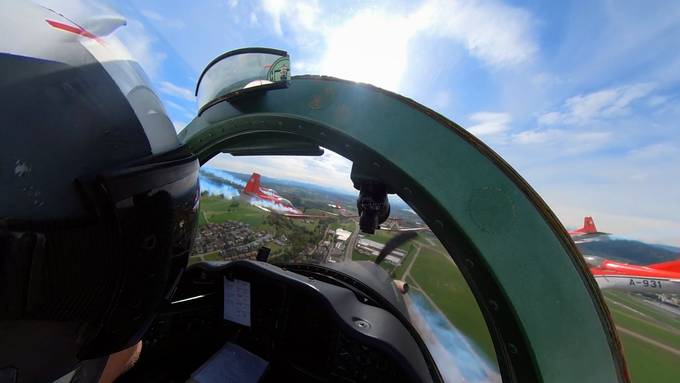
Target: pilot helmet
(98, 198)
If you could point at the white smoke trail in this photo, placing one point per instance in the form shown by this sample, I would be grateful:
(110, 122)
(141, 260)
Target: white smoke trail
(454, 354)
(223, 175)
(217, 189)
(272, 206)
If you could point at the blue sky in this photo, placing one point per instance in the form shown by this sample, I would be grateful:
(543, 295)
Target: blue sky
(581, 97)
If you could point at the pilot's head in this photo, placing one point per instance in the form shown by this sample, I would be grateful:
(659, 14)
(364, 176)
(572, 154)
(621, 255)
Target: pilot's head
(98, 199)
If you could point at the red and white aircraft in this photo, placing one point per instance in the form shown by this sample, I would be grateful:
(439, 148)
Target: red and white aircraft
(254, 189)
(587, 232)
(271, 199)
(655, 278)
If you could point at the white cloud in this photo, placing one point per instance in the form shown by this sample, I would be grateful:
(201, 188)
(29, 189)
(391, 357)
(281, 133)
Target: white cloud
(140, 44)
(441, 100)
(655, 101)
(161, 20)
(561, 141)
(253, 18)
(606, 103)
(372, 45)
(496, 33)
(232, 3)
(304, 67)
(302, 15)
(186, 112)
(177, 91)
(489, 123)
(655, 151)
(534, 136)
(175, 106)
(550, 118)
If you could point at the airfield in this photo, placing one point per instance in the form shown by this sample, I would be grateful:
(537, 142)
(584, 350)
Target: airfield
(650, 334)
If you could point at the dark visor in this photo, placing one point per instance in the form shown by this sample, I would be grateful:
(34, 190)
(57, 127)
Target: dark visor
(110, 271)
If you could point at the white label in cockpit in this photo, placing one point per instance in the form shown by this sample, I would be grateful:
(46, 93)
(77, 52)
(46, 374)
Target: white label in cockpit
(237, 301)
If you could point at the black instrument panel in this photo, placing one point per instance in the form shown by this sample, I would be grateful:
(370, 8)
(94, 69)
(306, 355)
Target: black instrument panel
(306, 329)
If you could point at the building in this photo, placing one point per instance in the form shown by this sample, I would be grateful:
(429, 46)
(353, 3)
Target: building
(374, 248)
(342, 234)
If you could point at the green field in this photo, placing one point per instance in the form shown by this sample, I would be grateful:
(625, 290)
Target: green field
(212, 256)
(380, 236)
(299, 233)
(648, 329)
(305, 225)
(218, 209)
(653, 314)
(193, 259)
(359, 256)
(201, 217)
(349, 226)
(647, 362)
(399, 271)
(441, 280)
(410, 281)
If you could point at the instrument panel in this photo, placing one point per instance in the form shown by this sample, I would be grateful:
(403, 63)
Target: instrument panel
(304, 329)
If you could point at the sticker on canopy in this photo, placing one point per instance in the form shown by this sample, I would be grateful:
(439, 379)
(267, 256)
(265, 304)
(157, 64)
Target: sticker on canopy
(237, 301)
(279, 70)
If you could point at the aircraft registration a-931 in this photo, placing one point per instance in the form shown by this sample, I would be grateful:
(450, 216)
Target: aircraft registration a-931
(654, 278)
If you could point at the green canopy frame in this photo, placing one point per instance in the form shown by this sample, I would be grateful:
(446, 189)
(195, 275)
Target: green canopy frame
(543, 309)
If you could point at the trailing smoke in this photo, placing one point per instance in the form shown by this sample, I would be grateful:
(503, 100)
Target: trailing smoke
(224, 175)
(227, 191)
(272, 206)
(454, 354)
(216, 188)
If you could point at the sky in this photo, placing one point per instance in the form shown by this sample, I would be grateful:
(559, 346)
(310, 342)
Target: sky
(580, 97)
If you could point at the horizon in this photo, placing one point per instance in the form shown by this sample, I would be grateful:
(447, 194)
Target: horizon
(393, 199)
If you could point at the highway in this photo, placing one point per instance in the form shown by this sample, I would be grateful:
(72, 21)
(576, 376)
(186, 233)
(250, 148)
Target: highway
(351, 242)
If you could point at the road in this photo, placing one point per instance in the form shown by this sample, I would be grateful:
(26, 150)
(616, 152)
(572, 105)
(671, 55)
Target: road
(351, 242)
(328, 233)
(407, 272)
(648, 340)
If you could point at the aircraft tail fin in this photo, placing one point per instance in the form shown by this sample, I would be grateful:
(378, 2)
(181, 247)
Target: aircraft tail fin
(588, 225)
(253, 185)
(672, 266)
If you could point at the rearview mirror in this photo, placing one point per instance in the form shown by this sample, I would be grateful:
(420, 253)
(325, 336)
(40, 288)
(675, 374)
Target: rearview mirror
(242, 71)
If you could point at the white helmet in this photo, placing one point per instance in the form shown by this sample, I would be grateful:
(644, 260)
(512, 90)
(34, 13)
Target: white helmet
(98, 199)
